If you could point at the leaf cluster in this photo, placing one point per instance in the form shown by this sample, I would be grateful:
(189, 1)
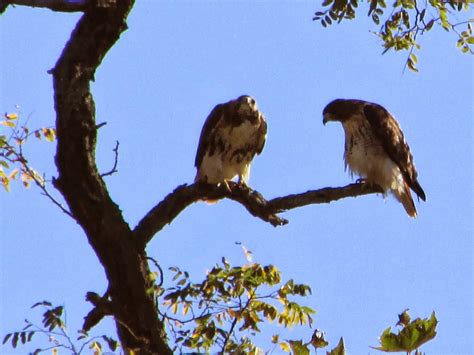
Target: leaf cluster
(411, 336)
(13, 164)
(53, 327)
(403, 22)
(226, 309)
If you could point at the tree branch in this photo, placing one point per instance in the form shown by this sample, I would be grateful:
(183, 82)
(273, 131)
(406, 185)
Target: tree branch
(54, 5)
(102, 307)
(184, 195)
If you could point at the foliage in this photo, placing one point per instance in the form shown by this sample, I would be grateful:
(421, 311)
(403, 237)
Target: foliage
(224, 312)
(226, 309)
(339, 349)
(404, 21)
(55, 330)
(13, 164)
(411, 336)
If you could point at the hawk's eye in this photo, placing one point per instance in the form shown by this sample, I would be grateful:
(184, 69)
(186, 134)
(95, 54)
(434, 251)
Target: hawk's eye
(252, 102)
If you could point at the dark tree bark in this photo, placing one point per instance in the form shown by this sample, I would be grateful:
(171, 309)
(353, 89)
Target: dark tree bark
(120, 250)
(82, 186)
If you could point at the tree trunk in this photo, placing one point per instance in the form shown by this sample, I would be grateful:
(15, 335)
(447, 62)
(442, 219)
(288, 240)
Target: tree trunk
(125, 263)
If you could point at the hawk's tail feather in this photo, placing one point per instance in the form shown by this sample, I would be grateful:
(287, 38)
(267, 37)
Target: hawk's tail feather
(418, 190)
(406, 200)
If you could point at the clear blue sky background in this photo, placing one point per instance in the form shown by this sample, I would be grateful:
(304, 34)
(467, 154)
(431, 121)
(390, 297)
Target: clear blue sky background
(365, 260)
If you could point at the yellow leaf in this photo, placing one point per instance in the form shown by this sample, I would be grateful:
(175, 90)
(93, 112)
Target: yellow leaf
(174, 308)
(11, 116)
(49, 134)
(186, 308)
(14, 174)
(5, 183)
(234, 314)
(7, 124)
(25, 178)
(285, 347)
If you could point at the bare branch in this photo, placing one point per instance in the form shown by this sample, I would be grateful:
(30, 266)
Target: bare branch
(184, 195)
(54, 5)
(324, 195)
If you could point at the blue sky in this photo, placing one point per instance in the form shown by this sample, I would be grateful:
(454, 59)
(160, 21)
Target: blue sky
(364, 259)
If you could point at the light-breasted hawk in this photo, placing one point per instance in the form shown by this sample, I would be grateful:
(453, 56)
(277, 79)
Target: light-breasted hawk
(234, 132)
(375, 148)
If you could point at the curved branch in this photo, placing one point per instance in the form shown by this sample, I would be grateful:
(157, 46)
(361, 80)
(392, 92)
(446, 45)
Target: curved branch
(184, 195)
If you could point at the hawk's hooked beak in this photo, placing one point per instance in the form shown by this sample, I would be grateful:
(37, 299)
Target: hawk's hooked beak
(327, 117)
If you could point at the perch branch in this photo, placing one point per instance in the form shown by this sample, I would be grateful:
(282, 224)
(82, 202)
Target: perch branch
(173, 204)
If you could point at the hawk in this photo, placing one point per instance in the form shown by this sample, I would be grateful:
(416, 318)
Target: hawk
(375, 148)
(234, 132)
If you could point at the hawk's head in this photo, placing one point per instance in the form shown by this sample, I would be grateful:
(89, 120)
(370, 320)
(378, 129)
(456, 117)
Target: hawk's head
(341, 110)
(246, 105)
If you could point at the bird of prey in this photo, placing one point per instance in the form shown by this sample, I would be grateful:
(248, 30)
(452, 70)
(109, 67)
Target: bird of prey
(234, 132)
(375, 148)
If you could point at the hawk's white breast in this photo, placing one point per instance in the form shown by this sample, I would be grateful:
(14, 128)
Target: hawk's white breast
(365, 155)
(235, 159)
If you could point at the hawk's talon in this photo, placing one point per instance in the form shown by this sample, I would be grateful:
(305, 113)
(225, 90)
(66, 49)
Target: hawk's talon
(225, 185)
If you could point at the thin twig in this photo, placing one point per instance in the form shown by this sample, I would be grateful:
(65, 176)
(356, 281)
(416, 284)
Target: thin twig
(31, 173)
(114, 168)
(158, 267)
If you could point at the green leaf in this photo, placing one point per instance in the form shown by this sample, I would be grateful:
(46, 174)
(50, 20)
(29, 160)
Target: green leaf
(30, 335)
(470, 40)
(411, 65)
(15, 339)
(339, 349)
(112, 343)
(317, 340)
(411, 337)
(8, 336)
(404, 318)
(443, 15)
(298, 347)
